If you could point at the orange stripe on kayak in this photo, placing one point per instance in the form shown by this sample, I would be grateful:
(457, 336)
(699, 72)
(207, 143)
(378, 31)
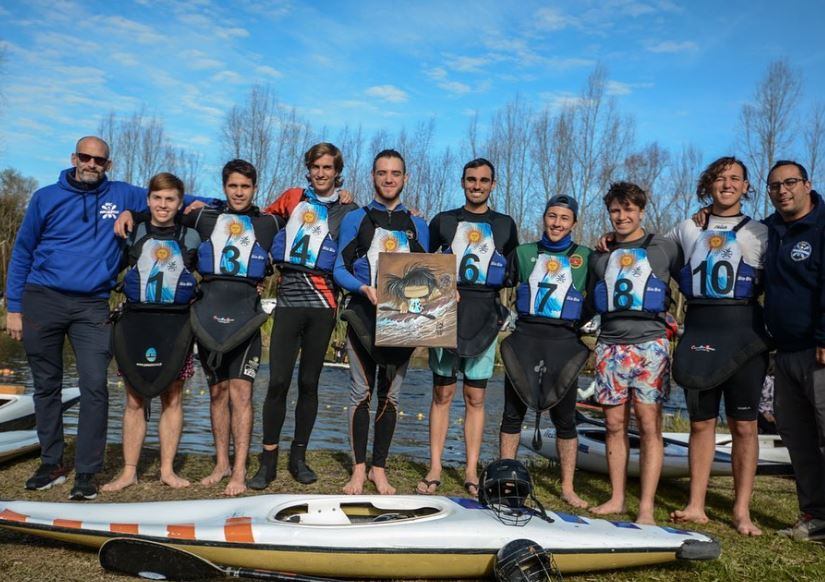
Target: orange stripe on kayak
(182, 531)
(238, 529)
(69, 523)
(10, 515)
(124, 528)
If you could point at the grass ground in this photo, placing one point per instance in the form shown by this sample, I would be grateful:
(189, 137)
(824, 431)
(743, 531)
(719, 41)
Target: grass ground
(770, 557)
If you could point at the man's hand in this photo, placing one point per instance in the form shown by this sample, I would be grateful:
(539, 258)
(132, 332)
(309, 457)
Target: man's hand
(820, 355)
(345, 196)
(700, 219)
(194, 206)
(604, 242)
(14, 325)
(124, 224)
(415, 212)
(370, 293)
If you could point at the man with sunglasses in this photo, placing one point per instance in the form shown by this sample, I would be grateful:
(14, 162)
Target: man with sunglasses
(64, 264)
(795, 317)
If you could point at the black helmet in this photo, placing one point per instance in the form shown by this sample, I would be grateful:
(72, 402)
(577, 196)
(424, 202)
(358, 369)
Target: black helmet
(525, 561)
(506, 488)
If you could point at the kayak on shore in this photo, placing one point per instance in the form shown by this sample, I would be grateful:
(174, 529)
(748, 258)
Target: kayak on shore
(17, 409)
(14, 443)
(369, 536)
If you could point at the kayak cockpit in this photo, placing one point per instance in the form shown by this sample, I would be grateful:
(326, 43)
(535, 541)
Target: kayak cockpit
(335, 511)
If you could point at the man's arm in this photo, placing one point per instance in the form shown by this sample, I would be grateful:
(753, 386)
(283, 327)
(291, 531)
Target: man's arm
(819, 330)
(346, 251)
(22, 256)
(285, 203)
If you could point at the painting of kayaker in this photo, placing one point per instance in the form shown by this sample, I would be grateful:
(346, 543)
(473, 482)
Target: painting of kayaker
(417, 301)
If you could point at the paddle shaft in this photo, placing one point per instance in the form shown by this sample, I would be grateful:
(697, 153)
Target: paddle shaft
(150, 559)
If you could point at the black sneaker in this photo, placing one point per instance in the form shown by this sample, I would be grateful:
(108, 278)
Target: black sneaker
(46, 477)
(84, 487)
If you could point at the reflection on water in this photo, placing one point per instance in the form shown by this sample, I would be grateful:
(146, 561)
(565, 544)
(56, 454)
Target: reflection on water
(411, 434)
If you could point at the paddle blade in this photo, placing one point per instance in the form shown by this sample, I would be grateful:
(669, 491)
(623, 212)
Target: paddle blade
(155, 561)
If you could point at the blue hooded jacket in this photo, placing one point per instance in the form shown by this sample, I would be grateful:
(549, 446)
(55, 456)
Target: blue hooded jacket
(66, 241)
(795, 279)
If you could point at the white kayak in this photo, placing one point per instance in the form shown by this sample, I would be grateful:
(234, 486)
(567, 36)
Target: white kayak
(592, 453)
(14, 443)
(364, 536)
(17, 410)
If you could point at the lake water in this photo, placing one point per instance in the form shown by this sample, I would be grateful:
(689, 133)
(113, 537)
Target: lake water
(411, 435)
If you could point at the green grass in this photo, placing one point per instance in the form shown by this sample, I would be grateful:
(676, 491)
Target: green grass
(770, 557)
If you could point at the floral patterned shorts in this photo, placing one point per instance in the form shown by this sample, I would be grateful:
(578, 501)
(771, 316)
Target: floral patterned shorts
(643, 368)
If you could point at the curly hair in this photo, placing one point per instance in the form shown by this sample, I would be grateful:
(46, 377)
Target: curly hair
(713, 171)
(414, 275)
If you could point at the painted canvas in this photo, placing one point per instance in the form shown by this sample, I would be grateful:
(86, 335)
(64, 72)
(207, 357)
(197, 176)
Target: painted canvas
(416, 300)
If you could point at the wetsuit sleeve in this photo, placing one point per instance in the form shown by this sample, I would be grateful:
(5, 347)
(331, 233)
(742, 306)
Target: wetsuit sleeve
(22, 255)
(512, 240)
(284, 204)
(435, 234)
(347, 242)
(588, 309)
(512, 278)
(422, 231)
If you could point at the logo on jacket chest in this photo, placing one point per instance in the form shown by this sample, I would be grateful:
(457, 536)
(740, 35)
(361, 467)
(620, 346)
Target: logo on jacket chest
(108, 210)
(801, 251)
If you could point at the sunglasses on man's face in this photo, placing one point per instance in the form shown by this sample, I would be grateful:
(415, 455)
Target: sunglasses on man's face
(86, 158)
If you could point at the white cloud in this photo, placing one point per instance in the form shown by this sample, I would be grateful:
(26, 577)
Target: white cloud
(672, 46)
(125, 30)
(389, 93)
(232, 32)
(455, 87)
(268, 71)
(553, 19)
(229, 77)
(125, 59)
(436, 73)
(617, 88)
(199, 60)
(467, 64)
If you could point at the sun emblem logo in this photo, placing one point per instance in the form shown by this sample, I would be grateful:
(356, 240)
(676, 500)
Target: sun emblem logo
(474, 236)
(552, 266)
(310, 217)
(626, 260)
(162, 253)
(390, 244)
(235, 228)
(715, 242)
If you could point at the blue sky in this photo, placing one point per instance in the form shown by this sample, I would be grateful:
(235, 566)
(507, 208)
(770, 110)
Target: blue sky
(683, 69)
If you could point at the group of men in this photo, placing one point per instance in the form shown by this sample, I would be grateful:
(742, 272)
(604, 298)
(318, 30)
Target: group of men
(67, 257)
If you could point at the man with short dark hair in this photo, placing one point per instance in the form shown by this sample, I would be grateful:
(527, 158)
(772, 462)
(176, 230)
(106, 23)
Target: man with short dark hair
(481, 240)
(384, 225)
(630, 290)
(795, 317)
(64, 264)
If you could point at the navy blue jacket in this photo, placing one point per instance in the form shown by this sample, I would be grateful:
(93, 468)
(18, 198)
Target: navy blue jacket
(795, 279)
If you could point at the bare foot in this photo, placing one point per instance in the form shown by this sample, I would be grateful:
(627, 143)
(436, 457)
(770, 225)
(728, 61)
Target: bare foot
(645, 518)
(379, 478)
(689, 514)
(235, 486)
(355, 485)
(746, 527)
(216, 476)
(123, 481)
(609, 507)
(174, 480)
(574, 500)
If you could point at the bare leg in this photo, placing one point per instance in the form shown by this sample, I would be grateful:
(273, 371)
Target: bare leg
(616, 442)
(651, 458)
(355, 485)
(439, 423)
(701, 452)
(134, 431)
(473, 431)
(745, 455)
(508, 445)
(170, 426)
(240, 396)
(219, 412)
(378, 475)
(567, 450)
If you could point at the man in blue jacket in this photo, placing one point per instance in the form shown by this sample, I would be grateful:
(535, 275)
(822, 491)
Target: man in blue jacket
(795, 316)
(64, 264)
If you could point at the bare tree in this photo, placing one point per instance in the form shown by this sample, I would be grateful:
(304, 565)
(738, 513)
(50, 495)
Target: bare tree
(15, 190)
(767, 124)
(681, 183)
(646, 169)
(553, 151)
(140, 149)
(814, 139)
